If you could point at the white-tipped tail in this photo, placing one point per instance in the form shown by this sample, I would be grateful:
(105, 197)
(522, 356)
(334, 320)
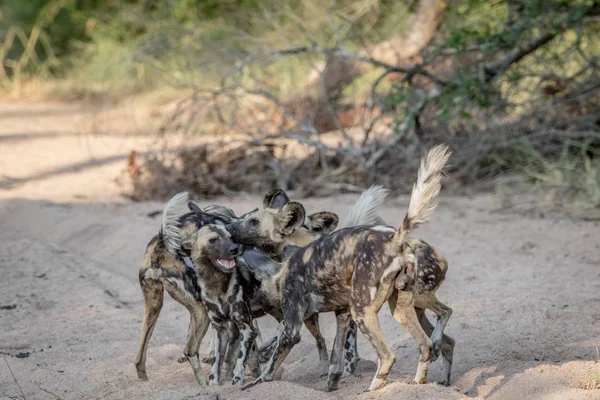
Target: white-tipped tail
(424, 192)
(171, 235)
(364, 211)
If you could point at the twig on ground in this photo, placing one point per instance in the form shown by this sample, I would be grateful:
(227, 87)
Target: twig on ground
(13, 376)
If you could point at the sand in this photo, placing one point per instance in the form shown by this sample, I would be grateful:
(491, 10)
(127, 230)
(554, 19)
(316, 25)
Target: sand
(525, 291)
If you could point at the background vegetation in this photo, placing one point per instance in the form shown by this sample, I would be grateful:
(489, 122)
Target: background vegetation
(326, 96)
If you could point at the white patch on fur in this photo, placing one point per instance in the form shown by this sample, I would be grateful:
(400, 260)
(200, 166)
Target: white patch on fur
(363, 212)
(181, 287)
(189, 262)
(383, 228)
(373, 292)
(153, 273)
(176, 207)
(394, 267)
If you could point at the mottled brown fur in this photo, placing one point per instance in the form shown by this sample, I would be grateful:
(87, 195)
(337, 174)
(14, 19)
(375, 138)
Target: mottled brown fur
(162, 270)
(316, 280)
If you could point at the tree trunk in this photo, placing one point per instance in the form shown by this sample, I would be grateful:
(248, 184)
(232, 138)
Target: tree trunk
(341, 71)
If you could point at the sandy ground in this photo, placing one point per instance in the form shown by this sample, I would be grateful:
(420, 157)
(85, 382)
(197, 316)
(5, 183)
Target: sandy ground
(525, 292)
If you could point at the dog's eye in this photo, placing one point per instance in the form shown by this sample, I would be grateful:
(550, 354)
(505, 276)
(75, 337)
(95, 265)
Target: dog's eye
(212, 240)
(253, 222)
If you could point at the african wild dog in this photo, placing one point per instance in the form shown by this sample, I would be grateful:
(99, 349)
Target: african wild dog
(164, 267)
(278, 226)
(354, 271)
(213, 255)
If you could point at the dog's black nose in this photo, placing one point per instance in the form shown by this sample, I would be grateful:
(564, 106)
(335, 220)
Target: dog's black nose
(234, 249)
(228, 227)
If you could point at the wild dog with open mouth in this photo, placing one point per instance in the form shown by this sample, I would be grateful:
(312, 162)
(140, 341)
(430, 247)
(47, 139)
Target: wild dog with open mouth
(354, 271)
(164, 267)
(277, 227)
(226, 298)
(213, 254)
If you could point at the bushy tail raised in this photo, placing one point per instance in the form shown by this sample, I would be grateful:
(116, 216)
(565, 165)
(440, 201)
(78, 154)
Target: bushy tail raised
(363, 212)
(424, 191)
(170, 231)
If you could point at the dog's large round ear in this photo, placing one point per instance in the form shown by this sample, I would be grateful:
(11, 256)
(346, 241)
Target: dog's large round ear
(194, 207)
(222, 212)
(275, 198)
(322, 222)
(291, 217)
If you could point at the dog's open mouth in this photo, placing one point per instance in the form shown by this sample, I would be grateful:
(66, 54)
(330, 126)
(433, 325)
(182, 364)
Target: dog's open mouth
(227, 264)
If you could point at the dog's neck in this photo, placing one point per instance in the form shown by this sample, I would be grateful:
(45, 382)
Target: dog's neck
(213, 282)
(301, 238)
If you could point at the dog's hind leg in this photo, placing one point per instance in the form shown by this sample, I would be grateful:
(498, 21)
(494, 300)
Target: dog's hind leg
(404, 312)
(351, 351)
(335, 364)
(312, 324)
(368, 322)
(443, 313)
(153, 301)
(447, 346)
(199, 324)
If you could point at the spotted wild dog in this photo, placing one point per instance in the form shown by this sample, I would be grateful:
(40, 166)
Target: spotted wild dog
(165, 268)
(225, 292)
(278, 226)
(213, 254)
(354, 271)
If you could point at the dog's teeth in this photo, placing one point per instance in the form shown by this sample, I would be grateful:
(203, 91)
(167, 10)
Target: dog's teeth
(227, 263)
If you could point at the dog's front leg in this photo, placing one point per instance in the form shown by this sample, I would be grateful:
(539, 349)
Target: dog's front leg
(220, 348)
(266, 350)
(248, 338)
(288, 337)
(233, 345)
(211, 354)
(253, 361)
(343, 318)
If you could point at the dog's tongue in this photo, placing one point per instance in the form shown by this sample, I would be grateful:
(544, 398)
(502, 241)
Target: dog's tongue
(227, 263)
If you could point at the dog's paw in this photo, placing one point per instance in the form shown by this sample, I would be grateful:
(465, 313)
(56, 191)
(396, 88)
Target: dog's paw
(142, 375)
(237, 381)
(213, 380)
(376, 384)
(414, 382)
(251, 384)
(182, 359)
(331, 388)
(443, 382)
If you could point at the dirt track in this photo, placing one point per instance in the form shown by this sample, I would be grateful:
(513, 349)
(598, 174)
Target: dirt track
(525, 292)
